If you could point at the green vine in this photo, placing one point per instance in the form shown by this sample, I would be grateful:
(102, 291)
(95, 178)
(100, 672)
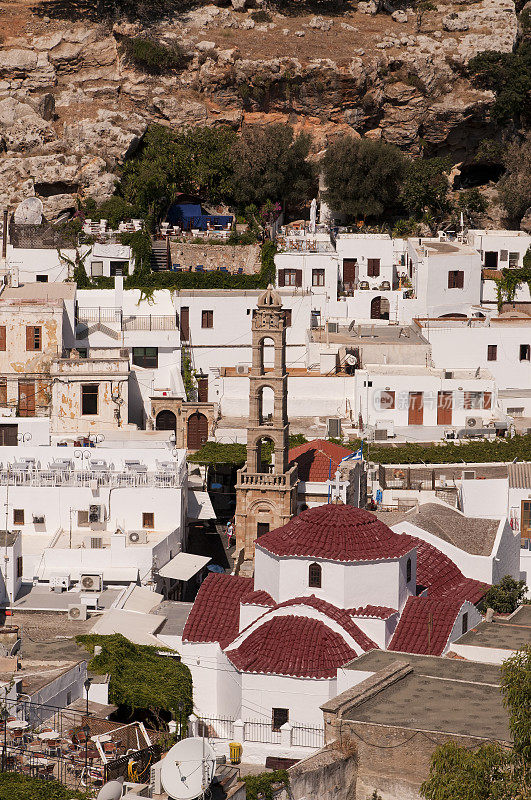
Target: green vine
(189, 378)
(511, 280)
(265, 784)
(139, 677)
(14, 786)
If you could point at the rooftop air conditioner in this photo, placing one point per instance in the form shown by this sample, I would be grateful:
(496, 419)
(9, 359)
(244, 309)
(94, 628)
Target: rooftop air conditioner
(62, 581)
(91, 583)
(380, 435)
(242, 369)
(95, 513)
(448, 374)
(333, 327)
(137, 537)
(38, 519)
(473, 422)
(333, 428)
(77, 613)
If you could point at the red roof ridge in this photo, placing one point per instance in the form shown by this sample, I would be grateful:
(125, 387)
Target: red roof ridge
(379, 612)
(317, 459)
(425, 625)
(259, 597)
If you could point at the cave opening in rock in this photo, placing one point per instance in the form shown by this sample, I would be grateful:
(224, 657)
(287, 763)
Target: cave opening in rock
(56, 187)
(477, 175)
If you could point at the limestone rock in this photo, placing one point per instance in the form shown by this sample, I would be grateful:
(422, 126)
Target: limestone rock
(21, 127)
(17, 61)
(46, 106)
(525, 224)
(399, 16)
(455, 22)
(320, 23)
(112, 135)
(368, 8)
(202, 46)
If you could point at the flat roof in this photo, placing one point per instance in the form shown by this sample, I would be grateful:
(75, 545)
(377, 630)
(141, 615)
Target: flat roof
(364, 335)
(35, 674)
(39, 292)
(50, 636)
(440, 694)
(176, 614)
(500, 634)
(438, 248)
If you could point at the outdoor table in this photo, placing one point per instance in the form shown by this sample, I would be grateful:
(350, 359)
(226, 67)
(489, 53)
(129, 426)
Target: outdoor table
(51, 735)
(17, 724)
(104, 737)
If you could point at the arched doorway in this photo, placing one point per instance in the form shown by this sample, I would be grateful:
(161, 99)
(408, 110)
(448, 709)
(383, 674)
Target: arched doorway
(197, 431)
(166, 421)
(380, 307)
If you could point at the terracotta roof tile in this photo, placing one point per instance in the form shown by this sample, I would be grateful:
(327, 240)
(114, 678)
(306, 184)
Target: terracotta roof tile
(425, 625)
(339, 615)
(291, 645)
(379, 612)
(313, 459)
(339, 533)
(258, 598)
(442, 577)
(215, 615)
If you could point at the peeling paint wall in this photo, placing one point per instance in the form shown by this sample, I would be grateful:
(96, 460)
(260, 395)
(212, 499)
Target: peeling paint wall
(112, 406)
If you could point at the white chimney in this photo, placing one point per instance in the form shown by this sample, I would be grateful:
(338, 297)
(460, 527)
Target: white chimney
(118, 291)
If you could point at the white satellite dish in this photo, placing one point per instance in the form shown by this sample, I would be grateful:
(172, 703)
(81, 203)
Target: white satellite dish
(351, 360)
(188, 769)
(112, 790)
(29, 212)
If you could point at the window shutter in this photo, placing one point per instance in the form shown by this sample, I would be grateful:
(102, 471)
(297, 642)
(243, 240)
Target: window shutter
(298, 277)
(460, 280)
(281, 277)
(2, 337)
(30, 339)
(487, 399)
(504, 255)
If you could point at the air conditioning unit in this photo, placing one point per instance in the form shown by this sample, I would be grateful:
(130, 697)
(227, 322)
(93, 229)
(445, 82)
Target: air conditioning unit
(154, 779)
(77, 613)
(333, 427)
(62, 581)
(242, 369)
(38, 519)
(380, 435)
(473, 422)
(96, 513)
(332, 327)
(468, 475)
(95, 542)
(450, 434)
(137, 537)
(448, 374)
(91, 583)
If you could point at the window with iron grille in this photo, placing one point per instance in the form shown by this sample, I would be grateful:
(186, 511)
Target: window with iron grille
(18, 516)
(314, 576)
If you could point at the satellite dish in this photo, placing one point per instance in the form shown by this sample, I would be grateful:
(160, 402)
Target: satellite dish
(29, 212)
(188, 769)
(112, 790)
(351, 360)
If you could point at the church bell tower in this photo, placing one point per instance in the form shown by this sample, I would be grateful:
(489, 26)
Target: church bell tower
(266, 493)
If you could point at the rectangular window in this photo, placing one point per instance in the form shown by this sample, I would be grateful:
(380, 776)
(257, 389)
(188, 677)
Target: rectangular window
(26, 398)
(504, 255)
(473, 400)
(387, 400)
(96, 269)
(456, 279)
(82, 519)
(261, 528)
(513, 259)
(464, 623)
(2, 337)
(287, 317)
(19, 567)
(146, 357)
(207, 319)
(525, 526)
(89, 399)
(3, 391)
(492, 352)
(18, 516)
(487, 400)
(373, 267)
(279, 718)
(119, 268)
(525, 352)
(33, 337)
(318, 277)
(41, 278)
(290, 277)
(148, 519)
(202, 389)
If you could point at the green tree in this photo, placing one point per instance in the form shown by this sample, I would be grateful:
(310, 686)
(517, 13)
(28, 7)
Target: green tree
(23, 787)
(425, 187)
(271, 163)
(516, 688)
(472, 201)
(363, 177)
(509, 76)
(505, 596)
(514, 187)
(421, 7)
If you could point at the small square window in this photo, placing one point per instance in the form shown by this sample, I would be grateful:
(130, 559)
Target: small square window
(207, 319)
(279, 718)
(18, 516)
(42, 278)
(148, 519)
(261, 528)
(492, 352)
(19, 567)
(513, 259)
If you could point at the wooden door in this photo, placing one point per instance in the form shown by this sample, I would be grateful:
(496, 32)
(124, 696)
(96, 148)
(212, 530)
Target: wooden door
(9, 435)
(197, 431)
(416, 408)
(185, 323)
(202, 389)
(26, 399)
(350, 268)
(166, 421)
(376, 308)
(444, 408)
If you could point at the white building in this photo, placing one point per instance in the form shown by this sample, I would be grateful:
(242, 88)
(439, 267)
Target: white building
(55, 265)
(331, 584)
(500, 248)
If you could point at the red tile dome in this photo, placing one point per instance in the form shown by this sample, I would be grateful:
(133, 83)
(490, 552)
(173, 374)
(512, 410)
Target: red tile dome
(339, 533)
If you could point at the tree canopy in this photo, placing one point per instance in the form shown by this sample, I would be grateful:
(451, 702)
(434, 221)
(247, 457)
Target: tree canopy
(509, 76)
(363, 177)
(514, 187)
(505, 596)
(14, 786)
(271, 163)
(425, 186)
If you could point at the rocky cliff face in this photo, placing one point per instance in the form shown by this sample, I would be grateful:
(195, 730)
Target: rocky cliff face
(71, 109)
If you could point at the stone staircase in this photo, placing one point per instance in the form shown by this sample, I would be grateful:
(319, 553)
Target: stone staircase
(159, 255)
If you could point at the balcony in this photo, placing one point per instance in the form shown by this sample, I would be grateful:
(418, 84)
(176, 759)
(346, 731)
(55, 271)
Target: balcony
(90, 367)
(90, 479)
(126, 322)
(265, 480)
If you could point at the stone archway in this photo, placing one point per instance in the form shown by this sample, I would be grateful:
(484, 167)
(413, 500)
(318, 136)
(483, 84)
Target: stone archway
(166, 421)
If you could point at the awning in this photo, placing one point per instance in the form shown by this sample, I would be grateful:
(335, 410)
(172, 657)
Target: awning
(138, 628)
(184, 566)
(200, 506)
(142, 599)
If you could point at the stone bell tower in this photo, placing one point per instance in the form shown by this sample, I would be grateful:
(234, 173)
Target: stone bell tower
(266, 494)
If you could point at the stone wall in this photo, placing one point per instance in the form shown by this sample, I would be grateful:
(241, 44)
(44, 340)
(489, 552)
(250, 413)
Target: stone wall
(215, 256)
(327, 775)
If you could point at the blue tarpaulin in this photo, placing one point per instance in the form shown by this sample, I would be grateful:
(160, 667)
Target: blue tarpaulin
(191, 215)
